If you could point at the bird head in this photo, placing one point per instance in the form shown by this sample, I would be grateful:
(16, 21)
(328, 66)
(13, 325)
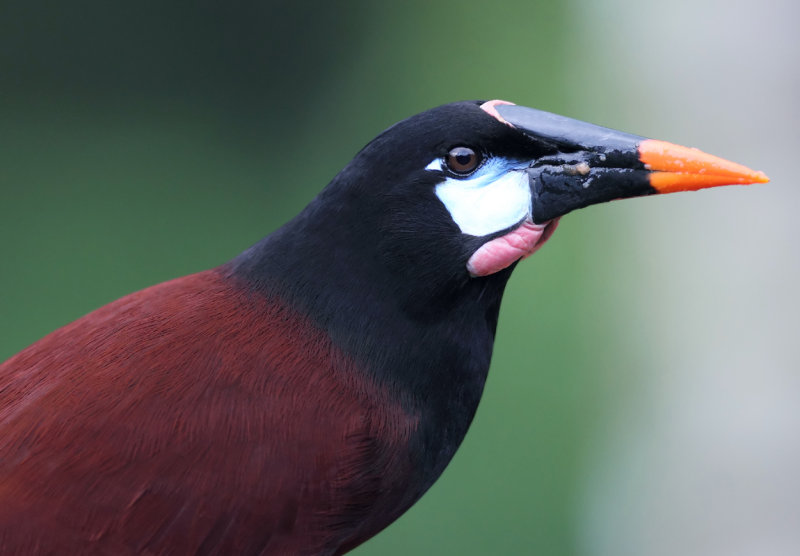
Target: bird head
(473, 187)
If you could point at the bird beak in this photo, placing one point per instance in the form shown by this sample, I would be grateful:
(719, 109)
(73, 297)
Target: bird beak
(595, 164)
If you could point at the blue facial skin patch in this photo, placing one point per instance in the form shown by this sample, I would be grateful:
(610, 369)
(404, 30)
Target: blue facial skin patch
(493, 198)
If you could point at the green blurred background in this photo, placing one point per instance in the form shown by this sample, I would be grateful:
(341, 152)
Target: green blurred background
(644, 394)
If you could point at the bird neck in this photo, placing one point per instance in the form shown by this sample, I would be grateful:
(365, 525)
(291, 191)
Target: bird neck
(427, 342)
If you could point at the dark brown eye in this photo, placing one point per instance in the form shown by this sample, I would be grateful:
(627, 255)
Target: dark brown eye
(462, 160)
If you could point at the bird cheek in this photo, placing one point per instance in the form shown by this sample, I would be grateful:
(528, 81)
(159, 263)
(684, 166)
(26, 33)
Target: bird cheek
(487, 204)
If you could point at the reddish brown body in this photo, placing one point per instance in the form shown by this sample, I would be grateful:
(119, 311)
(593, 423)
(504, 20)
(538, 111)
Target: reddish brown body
(168, 422)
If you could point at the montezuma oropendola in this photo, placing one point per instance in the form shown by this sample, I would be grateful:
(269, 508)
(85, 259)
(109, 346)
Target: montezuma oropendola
(301, 397)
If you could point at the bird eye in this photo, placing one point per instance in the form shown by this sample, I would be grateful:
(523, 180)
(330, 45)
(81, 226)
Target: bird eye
(462, 160)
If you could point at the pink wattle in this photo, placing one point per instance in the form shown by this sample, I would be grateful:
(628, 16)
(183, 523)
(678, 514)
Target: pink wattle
(501, 252)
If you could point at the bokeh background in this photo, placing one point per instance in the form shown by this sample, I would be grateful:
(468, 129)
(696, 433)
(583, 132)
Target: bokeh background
(644, 396)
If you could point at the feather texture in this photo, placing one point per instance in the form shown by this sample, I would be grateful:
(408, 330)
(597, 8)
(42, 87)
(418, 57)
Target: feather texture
(134, 430)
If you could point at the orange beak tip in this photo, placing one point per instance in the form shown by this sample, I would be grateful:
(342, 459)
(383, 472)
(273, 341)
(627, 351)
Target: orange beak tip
(677, 168)
(760, 177)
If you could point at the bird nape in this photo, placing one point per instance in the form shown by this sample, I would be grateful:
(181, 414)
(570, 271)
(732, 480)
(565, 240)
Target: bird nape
(301, 397)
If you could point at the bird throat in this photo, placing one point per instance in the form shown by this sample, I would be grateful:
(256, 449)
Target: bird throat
(501, 252)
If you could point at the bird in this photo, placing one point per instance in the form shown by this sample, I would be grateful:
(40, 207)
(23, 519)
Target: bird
(302, 396)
